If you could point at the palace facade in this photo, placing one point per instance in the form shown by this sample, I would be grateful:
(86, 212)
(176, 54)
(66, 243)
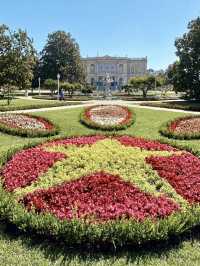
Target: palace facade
(120, 69)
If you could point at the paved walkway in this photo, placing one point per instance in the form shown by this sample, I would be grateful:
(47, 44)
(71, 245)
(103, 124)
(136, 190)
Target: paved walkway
(95, 102)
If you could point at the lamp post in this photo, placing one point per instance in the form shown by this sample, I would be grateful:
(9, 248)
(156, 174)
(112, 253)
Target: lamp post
(39, 80)
(58, 79)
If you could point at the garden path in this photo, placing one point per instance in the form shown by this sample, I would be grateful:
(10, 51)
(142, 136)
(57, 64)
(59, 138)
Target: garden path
(95, 102)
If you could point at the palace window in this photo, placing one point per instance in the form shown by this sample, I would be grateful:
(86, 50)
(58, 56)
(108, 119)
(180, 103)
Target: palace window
(92, 68)
(121, 68)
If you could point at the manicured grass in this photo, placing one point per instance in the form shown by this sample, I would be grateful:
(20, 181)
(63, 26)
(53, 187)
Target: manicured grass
(19, 249)
(22, 104)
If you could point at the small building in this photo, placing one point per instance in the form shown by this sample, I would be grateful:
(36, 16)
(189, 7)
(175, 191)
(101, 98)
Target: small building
(120, 69)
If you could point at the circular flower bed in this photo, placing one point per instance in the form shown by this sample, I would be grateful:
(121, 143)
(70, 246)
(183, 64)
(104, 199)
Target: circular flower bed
(107, 117)
(99, 189)
(26, 125)
(182, 128)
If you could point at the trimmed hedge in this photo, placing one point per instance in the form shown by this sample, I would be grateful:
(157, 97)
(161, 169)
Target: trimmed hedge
(28, 132)
(174, 105)
(117, 233)
(166, 131)
(91, 124)
(68, 99)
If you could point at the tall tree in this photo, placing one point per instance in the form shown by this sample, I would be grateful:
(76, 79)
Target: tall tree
(17, 58)
(175, 75)
(61, 55)
(185, 73)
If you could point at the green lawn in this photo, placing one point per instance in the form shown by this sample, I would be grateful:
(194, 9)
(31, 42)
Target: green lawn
(19, 249)
(30, 104)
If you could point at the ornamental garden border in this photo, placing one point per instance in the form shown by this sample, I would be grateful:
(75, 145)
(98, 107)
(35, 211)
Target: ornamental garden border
(168, 129)
(22, 132)
(85, 120)
(76, 231)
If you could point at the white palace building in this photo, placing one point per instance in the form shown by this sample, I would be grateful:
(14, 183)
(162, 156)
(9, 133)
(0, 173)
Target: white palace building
(120, 69)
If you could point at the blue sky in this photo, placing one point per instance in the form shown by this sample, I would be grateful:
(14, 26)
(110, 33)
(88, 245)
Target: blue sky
(135, 28)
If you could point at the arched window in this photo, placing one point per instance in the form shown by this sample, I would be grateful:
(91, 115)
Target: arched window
(92, 68)
(121, 68)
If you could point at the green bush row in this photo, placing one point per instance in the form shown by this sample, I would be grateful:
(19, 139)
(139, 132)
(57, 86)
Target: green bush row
(73, 232)
(91, 124)
(28, 132)
(188, 107)
(166, 131)
(67, 98)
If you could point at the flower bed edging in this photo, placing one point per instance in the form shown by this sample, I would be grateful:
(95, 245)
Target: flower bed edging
(16, 131)
(118, 232)
(84, 119)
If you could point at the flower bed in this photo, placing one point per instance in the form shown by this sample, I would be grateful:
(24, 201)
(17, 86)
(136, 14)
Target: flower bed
(107, 117)
(182, 128)
(99, 189)
(26, 125)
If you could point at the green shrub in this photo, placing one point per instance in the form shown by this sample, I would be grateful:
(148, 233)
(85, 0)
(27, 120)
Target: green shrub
(51, 85)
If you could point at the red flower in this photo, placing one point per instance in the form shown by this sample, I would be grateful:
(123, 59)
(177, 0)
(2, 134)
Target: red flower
(144, 144)
(182, 172)
(25, 167)
(101, 197)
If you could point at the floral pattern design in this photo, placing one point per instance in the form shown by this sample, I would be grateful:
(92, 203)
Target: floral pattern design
(23, 121)
(131, 178)
(191, 125)
(107, 116)
(187, 127)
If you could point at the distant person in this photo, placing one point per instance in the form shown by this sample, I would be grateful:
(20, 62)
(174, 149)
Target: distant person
(61, 95)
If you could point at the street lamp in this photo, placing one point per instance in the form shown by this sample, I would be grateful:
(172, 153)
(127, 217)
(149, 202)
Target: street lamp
(58, 79)
(39, 79)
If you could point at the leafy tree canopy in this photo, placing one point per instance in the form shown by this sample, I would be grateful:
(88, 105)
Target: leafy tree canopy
(143, 83)
(61, 55)
(17, 58)
(185, 73)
